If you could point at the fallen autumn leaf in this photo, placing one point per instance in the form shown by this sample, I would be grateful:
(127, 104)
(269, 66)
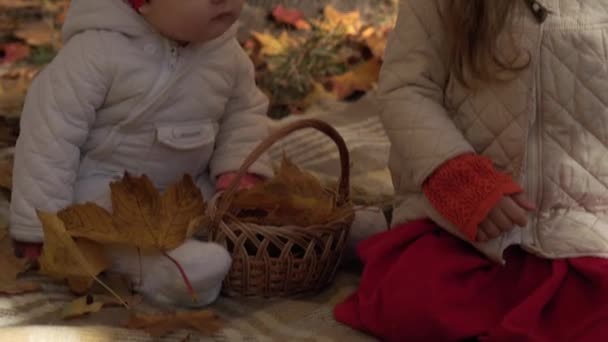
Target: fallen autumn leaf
(206, 322)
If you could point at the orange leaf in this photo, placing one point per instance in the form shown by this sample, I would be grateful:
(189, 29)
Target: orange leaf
(363, 77)
(206, 322)
(290, 16)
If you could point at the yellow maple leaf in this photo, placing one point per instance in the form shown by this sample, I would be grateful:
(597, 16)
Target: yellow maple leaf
(362, 77)
(271, 45)
(335, 21)
(140, 217)
(79, 261)
(375, 39)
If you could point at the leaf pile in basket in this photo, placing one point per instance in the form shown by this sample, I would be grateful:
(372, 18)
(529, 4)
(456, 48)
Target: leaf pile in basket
(291, 197)
(141, 217)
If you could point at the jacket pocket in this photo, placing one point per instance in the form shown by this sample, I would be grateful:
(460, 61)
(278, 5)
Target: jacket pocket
(187, 136)
(183, 148)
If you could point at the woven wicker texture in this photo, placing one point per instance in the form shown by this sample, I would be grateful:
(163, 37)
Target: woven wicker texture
(283, 261)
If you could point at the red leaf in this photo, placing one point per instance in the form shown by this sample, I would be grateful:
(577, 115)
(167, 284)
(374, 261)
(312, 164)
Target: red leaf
(290, 16)
(14, 52)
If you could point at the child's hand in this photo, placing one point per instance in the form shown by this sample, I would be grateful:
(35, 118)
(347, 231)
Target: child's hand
(248, 181)
(511, 211)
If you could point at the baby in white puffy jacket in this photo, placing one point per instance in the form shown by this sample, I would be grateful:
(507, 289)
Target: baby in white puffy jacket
(153, 87)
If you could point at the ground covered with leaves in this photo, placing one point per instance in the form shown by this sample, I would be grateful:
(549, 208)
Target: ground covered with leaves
(300, 60)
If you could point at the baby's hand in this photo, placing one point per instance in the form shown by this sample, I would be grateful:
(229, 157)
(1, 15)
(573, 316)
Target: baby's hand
(248, 181)
(511, 211)
(29, 251)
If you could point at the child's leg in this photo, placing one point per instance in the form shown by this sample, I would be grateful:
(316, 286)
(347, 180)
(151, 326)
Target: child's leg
(205, 264)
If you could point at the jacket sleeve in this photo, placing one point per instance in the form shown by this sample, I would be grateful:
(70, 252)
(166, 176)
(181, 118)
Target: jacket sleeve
(411, 96)
(59, 110)
(244, 124)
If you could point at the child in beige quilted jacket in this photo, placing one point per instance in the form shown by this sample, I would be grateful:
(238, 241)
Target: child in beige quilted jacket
(497, 113)
(158, 87)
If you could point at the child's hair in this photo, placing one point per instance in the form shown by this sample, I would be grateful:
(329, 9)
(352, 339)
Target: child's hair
(475, 33)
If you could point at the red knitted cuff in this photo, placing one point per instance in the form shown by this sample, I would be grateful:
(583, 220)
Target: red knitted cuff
(465, 189)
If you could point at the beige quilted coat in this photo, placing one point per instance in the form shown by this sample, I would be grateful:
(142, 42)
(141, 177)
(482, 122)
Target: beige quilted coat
(548, 127)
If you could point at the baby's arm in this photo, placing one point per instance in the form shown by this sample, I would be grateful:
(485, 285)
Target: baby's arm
(59, 110)
(244, 124)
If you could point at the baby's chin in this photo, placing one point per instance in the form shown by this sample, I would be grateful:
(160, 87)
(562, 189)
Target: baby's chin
(211, 33)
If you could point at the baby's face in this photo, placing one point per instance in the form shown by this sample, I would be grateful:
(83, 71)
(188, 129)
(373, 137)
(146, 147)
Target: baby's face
(195, 21)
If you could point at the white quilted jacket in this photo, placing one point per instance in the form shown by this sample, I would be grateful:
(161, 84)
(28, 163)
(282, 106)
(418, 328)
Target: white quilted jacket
(120, 97)
(548, 127)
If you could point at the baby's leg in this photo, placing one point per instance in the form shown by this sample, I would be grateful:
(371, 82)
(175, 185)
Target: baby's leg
(205, 264)
(367, 223)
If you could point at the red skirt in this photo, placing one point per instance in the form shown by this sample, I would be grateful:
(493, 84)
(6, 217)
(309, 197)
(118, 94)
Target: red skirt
(422, 284)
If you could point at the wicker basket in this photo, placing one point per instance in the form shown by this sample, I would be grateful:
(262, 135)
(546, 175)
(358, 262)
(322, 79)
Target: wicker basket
(272, 261)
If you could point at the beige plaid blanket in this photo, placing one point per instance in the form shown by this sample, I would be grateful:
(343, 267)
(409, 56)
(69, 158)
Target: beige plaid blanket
(33, 318)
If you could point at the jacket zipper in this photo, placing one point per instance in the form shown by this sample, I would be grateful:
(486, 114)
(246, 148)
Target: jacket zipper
(167, 72)
(539, 11)
(535, 148)
(168, 69)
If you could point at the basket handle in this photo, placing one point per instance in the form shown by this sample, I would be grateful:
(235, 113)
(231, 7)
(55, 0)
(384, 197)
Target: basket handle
(323, 127)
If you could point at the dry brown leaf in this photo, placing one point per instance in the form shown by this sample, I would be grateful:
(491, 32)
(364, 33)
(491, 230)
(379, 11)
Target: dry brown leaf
(93, 303)
(291, 197)
(363, 77)
(141, 216)
(81, 306)
(64, 258)
(206, 322)
(13, 87)
(11, 267)
(6, 172)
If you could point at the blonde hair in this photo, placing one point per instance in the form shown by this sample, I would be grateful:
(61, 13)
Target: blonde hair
(476, 32)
